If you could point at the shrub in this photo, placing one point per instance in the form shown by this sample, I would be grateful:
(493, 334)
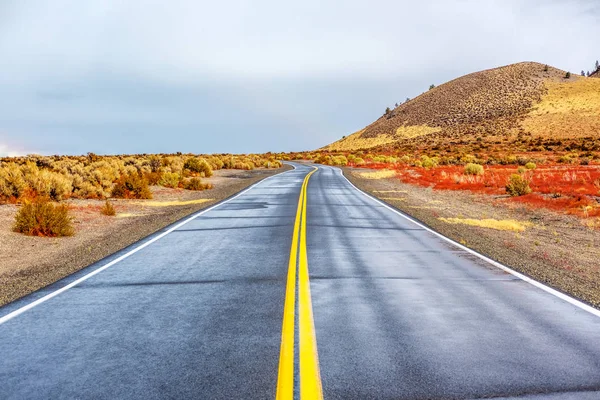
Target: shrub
(153, 177)
(154, 163)
(359, 161)
(530, 165)
(521, 170)
(427, 162)
(198, 165)
(12, 184)
(49, 184)
(566, 159)
(473, 169)
(568, 75)
(405, 159)
(170, 180)
(43, 218)
(108, 209)
(131, 186)
(339, 161)
(517, 185)
(196, 184)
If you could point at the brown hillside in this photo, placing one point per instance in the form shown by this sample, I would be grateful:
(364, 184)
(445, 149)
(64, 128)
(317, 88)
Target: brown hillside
(491, 105)
(595, 74)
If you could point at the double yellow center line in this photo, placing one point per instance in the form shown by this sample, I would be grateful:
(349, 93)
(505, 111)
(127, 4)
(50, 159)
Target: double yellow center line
(310, 377)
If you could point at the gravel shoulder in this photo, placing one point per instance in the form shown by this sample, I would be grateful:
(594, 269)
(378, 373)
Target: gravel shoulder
(30, 263)
(556, 249)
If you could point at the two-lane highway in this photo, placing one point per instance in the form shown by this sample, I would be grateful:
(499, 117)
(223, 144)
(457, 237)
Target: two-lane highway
(381, 308)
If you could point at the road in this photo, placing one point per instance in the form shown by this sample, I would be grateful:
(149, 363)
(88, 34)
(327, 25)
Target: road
(300, 287)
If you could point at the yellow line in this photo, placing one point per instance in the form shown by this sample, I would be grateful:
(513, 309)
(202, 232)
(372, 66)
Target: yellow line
(310, 379)
(310, 376)
(285, 378)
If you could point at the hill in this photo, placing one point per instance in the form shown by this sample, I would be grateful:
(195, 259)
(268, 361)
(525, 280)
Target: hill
(499, 105)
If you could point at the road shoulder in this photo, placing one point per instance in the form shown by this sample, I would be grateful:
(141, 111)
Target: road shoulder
(28, 264)
(554, 249)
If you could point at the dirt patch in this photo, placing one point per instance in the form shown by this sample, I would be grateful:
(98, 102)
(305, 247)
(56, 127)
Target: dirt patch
(557, 249)
(30, 263)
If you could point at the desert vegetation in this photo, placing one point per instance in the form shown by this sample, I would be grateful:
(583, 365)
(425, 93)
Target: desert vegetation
(40, 183)
(101, 177)
(563, 181)
(43, 218)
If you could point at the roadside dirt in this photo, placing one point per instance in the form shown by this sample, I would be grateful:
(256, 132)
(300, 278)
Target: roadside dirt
(30, 263)
(557, 249)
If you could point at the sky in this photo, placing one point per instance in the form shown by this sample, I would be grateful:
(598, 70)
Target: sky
(145, 76)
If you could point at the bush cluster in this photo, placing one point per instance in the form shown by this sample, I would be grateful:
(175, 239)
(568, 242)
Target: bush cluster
(43, 218)
(131, 186)
(95, 177)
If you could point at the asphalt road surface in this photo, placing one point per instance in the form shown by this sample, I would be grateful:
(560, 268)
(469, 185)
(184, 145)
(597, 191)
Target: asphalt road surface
(375, 306)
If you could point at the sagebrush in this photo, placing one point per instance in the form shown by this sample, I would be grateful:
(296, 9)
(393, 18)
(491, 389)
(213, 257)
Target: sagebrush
(43, 218)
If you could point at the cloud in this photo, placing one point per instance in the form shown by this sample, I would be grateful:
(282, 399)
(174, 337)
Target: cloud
(133, 76)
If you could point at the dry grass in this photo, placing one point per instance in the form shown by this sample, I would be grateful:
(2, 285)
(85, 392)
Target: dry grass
(108, 209)
(501, 225)
(409, 132)
(568, 109)
(172, 203)
(358, 141)
(382, 174)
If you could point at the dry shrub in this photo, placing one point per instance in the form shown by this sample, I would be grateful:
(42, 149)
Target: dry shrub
(131, 186)
(49, 184)
(473, 169)
(43, 218)
(517, 185)
(198, 165)
(196, 184)
(153, 178)
(530, 165)
(108, 209)
(12, 184)
(170, 180)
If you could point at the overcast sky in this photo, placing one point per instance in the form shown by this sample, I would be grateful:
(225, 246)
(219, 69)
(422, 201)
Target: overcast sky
(113, 76)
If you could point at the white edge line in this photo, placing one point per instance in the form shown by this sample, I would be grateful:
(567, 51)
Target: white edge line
(47, 297)
(496, 264)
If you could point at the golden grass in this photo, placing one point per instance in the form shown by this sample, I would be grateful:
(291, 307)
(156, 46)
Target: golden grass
(356, 141)
(382, 174)
(394, 198)
(172, 203)
(408, 132)
(127, 215)
(569, 109)
(390, 191)
(501, 225)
